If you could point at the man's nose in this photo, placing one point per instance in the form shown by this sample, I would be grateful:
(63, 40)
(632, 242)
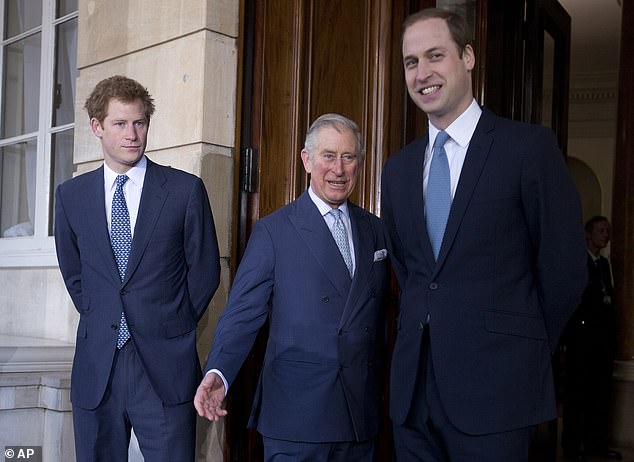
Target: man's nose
(131, 132)
(337, 165)
(422, 70)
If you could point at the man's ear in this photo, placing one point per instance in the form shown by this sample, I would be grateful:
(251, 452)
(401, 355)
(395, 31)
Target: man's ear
(96, 127)
(308, 166)
(468, 56)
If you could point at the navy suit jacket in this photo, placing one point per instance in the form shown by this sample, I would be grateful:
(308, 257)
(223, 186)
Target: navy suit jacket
(172, 273)
(510, 272)
(320, 377)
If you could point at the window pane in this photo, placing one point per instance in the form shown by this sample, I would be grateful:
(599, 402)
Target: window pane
(65, 6)
(17, 189)
(65, 73)
(21, 87)
(21, 15)
(61, 165)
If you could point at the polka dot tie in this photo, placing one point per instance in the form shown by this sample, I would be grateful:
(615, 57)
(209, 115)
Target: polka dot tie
(438, 195)
(341, 238)
(121, 241)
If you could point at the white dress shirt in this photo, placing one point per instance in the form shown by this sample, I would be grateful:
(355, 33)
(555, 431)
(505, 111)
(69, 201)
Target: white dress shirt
(325, 209)
(132, 190)
(460, 131)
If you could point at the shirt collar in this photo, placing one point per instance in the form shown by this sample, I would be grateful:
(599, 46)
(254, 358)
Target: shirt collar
(461, 130)
(322, 206)
(593, 256)
(136, 174)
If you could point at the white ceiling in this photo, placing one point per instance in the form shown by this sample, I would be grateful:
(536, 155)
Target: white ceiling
(596, 35)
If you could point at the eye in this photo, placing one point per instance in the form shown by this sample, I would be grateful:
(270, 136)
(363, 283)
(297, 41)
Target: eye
(329, 157)
(410, 63)
(348, 158)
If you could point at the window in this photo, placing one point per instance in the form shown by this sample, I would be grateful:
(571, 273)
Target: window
(37, 99)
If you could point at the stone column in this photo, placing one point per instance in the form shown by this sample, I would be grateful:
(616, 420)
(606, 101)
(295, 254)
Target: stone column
(623, 237)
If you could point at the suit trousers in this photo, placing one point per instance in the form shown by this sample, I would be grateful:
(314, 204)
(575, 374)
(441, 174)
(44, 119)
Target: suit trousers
(165, 433)
(428, 434)
(296, 451)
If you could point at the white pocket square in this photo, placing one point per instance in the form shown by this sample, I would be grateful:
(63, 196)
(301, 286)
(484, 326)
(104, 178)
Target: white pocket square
(380, 255)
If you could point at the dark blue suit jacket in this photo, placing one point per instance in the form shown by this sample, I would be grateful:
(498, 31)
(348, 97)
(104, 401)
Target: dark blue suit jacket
(509, 274)
(320, 378)
(173, 271)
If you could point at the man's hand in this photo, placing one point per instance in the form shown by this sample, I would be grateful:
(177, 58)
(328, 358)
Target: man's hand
(209, 397)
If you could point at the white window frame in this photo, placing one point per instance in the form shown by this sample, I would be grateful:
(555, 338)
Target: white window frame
(37, 250)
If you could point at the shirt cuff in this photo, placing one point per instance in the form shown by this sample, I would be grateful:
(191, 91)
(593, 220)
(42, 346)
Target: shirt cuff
(222, 377)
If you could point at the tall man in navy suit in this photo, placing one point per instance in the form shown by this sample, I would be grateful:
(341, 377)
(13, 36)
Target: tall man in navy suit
(487, 287)
(137, 248)
(316, 269)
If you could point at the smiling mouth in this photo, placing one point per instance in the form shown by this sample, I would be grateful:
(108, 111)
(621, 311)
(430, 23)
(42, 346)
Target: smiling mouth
(429, 90)
(337, 184)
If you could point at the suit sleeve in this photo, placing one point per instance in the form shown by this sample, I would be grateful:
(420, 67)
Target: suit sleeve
(247, 308)
(67, 252)
(553, 213)
(201, 250)
(395, 247)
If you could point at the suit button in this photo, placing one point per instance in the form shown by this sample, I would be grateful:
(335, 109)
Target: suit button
(325, 299)
(114, 327)
(433, 286)
(339, 332)
(123, 292)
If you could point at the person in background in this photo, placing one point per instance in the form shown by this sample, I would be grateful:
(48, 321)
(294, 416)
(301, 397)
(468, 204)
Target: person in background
(485, 236)
(316, 269)
(137, 249)
(589, 341)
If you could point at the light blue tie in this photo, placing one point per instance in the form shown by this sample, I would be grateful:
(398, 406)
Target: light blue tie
(438, 196)
(341, 238)
(121, 240)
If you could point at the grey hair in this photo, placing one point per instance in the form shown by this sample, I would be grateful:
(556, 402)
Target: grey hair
(339, 123)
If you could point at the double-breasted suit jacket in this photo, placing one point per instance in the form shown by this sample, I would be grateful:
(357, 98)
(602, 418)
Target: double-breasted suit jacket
(320, 377)
(173, 271)
(509, 273)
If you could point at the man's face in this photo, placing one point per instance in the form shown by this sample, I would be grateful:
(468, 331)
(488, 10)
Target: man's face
(600, 235)
(438, 79)
(334, 167)
(123, 134)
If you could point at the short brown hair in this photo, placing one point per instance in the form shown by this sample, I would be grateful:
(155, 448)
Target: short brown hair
(456, 23)
(121, 88)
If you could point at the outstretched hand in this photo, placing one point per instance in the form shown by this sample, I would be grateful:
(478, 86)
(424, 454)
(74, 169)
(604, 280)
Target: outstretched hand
(209, 397)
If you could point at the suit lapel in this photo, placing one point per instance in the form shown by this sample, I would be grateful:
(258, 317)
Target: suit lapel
(153, 197)
(98, 223)
(364, 258)
(476, 157)
(315, 233)
(416, 196)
